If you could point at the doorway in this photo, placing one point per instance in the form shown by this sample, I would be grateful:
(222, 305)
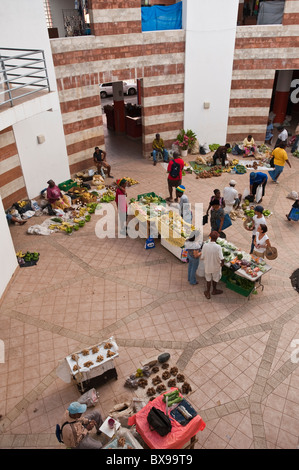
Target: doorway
(122, 118)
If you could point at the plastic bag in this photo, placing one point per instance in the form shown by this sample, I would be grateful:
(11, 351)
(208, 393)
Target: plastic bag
(259, 193)
(90, 398)
(246, 193)
(28, 214)
(293, 195)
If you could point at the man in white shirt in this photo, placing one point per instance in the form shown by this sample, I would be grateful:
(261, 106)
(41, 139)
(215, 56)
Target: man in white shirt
(213, 259)
(282, 136)
(231, 197)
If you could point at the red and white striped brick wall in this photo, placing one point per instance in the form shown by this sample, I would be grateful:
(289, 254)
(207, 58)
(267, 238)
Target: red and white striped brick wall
(12, 184)
(291, 12)
(259, 52)
(82, 63)
(111, 17)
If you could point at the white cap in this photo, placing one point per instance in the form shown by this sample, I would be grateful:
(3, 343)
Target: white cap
(232, 182)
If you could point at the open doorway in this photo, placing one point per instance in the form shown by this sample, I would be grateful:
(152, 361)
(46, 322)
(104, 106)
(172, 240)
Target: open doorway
(284, 107)
(122, 121)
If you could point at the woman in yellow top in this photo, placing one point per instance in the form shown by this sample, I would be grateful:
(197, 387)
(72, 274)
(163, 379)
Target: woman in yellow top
(280, 159)
(249, 145)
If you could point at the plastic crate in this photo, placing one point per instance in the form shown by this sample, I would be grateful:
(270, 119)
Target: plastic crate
(66, 185)
(240, 290)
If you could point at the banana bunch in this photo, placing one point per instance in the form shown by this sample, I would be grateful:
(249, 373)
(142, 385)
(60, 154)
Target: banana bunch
(226, 170)
(20, 254)
(21, 203)
(53, 226)
(101, 186)
(235, 161)
(130, 181)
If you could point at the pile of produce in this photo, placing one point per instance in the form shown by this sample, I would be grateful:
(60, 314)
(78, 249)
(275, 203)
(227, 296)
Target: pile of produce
(28, 256)
(130, 181)
(174, 229)
(108, 196)
(213, 171)
(240, 169)
(214, 147)
(296, 153)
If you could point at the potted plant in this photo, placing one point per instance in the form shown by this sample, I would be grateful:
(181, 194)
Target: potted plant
(185, 141)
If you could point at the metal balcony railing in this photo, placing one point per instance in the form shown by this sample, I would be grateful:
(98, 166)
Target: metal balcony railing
(22, 73)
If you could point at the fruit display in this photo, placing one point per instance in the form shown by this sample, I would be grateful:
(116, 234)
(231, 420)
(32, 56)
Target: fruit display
(130, 181)
(28, 256)
(108, 196)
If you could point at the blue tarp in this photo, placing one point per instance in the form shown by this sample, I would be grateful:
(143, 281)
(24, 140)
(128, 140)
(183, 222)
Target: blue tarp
(158, 18)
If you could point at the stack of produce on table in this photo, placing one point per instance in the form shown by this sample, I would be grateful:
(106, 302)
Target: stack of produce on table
(174, 229)
(148, 206)
(247, 263)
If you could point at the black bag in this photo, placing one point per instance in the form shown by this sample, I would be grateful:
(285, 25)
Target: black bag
(175, 169)
(205, 219)
(272, 162)
(158, 421)
(58, 431)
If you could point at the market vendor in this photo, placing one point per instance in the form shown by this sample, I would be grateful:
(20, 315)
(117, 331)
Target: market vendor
(120, 200)
(99, 157)
(261, 241)
(175, 173)
(294, 212)
(56, 198)
(221, 153)
(231, 197)
(217, 216)
(213, 259)
(158, 146)
(269, 133)
(185, 206)
(257, 220)
(255, 180)
(217, 195)
(249, 145)
(11, 219)
(193, 247)
(75, 427)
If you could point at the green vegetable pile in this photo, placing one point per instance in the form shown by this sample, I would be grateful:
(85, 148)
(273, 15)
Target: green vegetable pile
(241, 169)
(266, 212)
(214, 147)
(296, 153)
(173, 397)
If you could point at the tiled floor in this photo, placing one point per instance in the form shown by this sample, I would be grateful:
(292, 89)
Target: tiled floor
(235, 353)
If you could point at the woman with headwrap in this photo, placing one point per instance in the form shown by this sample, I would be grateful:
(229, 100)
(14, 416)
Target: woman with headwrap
(193, 247)
(56, 198)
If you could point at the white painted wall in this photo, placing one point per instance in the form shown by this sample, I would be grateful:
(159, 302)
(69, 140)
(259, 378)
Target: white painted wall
(7, 252)
(23, 25)
(41, 162)
(210, 38)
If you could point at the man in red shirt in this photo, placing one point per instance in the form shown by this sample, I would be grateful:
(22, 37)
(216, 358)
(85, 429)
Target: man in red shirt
(174, 170)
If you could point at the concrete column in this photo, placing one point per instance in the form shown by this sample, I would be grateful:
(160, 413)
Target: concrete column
(282, 94)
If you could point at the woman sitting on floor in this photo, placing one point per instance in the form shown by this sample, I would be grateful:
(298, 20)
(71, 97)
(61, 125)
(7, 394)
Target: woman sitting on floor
(56, 198)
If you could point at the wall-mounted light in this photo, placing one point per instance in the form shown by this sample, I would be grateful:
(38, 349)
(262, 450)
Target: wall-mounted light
(206, 105)
(40, 139)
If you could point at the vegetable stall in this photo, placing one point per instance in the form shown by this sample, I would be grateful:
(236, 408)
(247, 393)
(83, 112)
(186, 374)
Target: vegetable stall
(242, 272)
